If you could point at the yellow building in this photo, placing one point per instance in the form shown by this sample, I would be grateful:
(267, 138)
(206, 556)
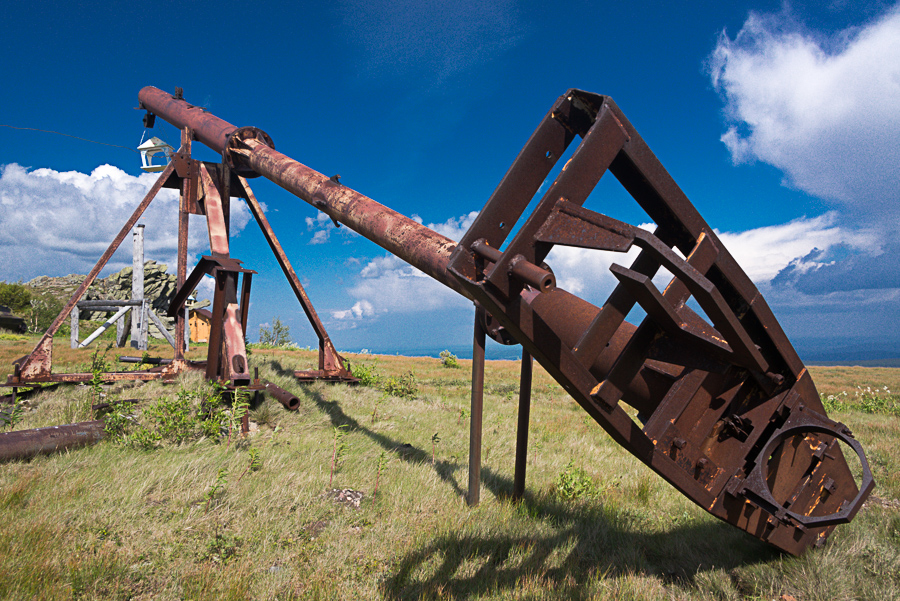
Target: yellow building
(199, 321)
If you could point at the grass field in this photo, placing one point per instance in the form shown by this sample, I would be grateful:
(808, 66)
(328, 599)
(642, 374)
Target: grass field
(221, 517)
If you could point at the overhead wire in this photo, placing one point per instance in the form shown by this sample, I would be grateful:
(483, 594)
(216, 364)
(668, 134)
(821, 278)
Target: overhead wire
(59, 133)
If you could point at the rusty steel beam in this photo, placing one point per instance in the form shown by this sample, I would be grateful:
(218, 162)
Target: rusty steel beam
(331, 364)
(23, 444)
(719, 404)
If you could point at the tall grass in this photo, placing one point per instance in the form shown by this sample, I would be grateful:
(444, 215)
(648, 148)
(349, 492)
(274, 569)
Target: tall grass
(191, 520)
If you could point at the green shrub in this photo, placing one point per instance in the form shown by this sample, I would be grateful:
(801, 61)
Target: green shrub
(189, 415)
(15, 296)
(366, 374)
(448, 359)
(405, 386)
(575, 483)
(276, 336)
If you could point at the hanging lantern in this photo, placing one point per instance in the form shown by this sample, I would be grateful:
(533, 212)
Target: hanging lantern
(149, 149)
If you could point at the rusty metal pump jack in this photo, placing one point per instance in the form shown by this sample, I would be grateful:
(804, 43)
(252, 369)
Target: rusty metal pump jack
(206, 189)
(723, 408)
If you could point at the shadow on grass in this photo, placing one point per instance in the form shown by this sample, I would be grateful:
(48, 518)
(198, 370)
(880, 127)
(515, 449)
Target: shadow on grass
(593, 545)
(278, 368)
(598, 539)
(406, 452)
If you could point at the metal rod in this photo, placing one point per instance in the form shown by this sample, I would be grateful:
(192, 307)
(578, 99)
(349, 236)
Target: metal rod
(98, 304)
(477, 407)
(522, 428)
(139, 327)
(115, 318)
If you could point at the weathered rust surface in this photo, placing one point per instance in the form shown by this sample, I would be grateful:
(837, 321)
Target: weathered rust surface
(718, 404)
(23, 444)
(288, 400)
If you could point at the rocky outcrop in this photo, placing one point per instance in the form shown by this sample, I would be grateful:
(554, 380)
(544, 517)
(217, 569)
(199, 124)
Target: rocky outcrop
(159, 289)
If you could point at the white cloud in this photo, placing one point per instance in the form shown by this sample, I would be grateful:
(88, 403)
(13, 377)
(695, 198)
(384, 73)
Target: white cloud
(359, 310)
(824, 111)
(763, 252)
(321, 225)
(454, 228)
(56, 223)
(389, 284)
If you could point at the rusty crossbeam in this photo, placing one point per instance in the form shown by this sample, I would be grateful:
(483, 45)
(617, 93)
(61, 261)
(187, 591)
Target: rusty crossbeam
(719, 404)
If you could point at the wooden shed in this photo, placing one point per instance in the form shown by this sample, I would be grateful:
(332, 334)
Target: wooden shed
(199, 321)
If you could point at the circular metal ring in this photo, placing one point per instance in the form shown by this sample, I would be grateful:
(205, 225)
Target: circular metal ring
(244, 133)
(761, 471)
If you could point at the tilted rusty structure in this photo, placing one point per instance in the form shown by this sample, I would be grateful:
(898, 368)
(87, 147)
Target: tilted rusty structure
(719, 405)
(726, 412)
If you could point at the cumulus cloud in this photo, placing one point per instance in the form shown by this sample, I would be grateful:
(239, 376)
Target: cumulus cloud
(321, 226)
(56, 223)
(454, 228)
(824, 110)
(359, 310)
(764, 252)
(389, 284)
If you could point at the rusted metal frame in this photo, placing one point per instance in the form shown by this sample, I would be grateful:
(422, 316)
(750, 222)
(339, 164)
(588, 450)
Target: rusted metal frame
(215, 343)
(756, 489)
(187, 198)
(330, 360)
(580, 383)
(644, 177)
(39, 363)
(205, 266)
(237, 372)
(736, 343)
(521, 182)
(226, 341)
(633, 357)
(215, 214)
(522, 425)
(674, 475)
(244, 302)
(590, 160)
(473, 497)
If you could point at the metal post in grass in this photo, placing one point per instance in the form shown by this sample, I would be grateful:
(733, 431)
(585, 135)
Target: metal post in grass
(522, 429)
(139, 317)
(474, 494)
(73, 334)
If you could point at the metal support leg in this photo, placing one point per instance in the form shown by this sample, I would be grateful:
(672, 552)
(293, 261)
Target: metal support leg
(522, 430)
(73, 335)
(474, 495)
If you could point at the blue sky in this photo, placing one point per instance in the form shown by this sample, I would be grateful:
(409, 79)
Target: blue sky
(780, 121)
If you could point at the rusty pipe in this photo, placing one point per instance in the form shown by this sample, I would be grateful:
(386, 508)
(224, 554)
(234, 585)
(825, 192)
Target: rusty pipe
(42, 441)
(290, 402)
(416, 244)
(207, 128)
